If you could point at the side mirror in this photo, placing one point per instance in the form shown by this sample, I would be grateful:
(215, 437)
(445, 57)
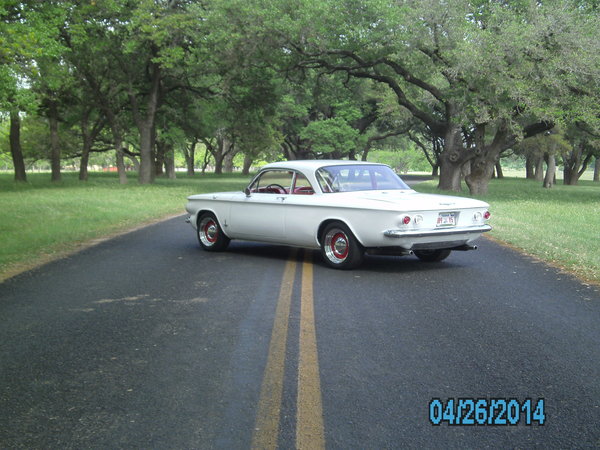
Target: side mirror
(247, 192)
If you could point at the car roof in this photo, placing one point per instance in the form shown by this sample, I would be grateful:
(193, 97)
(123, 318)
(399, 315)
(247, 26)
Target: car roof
(313, 164)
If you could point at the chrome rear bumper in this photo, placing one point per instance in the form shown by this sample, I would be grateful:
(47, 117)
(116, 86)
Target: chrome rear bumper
(437, 233)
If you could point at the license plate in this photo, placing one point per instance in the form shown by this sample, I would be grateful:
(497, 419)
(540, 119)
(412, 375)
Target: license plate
(446, 220)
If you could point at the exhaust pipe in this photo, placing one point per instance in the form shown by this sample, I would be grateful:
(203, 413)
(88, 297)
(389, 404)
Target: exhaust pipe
(465, 248)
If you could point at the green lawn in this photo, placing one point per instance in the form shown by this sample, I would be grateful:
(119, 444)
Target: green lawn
(560, 225)
(40, 220)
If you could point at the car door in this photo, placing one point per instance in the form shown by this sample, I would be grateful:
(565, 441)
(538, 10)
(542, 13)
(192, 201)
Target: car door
(302, 213)
(261, 214)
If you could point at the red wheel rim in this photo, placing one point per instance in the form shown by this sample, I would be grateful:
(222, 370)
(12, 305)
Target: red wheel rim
(210, 231)
(339, 245)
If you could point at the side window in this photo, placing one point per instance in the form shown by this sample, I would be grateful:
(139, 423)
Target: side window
(302, 185)
(273, 182)
(326, 180)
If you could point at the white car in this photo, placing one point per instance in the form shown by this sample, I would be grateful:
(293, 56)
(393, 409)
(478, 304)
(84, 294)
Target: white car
(343, 208)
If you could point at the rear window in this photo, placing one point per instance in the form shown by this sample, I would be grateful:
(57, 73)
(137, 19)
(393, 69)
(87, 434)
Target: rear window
(349, 178)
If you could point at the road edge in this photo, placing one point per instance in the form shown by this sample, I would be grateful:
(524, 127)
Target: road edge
(16, 269)
(565, 270)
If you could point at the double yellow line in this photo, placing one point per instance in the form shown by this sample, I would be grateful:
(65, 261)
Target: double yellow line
(309, 410)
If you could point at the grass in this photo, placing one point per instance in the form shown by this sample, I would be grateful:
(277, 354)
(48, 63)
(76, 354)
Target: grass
(559, 225)
(40, 220)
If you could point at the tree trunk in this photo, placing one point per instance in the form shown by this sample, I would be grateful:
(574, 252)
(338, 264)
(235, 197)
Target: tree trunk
(530, 164)
(228, 162)
(295, 149)
(54, 142)
(597, 169)
(433, 160)
(572, 161)
(550, 171)
(539, 170)
(190, 156)
(120, 161)
(87, 145)
(169, 159)
(570, 175)
(450, 175)
(219, 163)
(103, 101)
(486, 158)
(247, 164)
(499, 172)
(451, 161)
(117, 138)
(15, 146)
(480, 176)
(465, 170)
(159, 159)
(286, 147)
(119, 154)
(191, 171)
(147, 170)
(83, 163)
(134, 161)
(220, 151)
(206, 160)
(145, 125)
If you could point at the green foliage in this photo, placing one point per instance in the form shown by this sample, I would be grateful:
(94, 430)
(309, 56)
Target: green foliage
(331, 135)
(403, 160)
(35, 139)
(28, 35)
(462, 66)
(295, 74)
(548, 143)
(28, 30)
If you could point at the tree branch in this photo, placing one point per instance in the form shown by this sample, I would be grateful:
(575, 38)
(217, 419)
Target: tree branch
(368, 70)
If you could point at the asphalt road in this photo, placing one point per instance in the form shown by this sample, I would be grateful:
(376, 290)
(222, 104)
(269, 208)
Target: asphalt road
(146, 341)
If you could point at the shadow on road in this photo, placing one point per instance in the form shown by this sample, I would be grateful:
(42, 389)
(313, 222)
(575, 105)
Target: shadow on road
(372, 263)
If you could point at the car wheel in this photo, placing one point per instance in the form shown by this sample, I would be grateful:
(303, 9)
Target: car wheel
(210, 234)
(339, 247)
(432, 255)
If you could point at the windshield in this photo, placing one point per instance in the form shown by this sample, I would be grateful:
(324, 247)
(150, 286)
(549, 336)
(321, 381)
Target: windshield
(348, 178)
